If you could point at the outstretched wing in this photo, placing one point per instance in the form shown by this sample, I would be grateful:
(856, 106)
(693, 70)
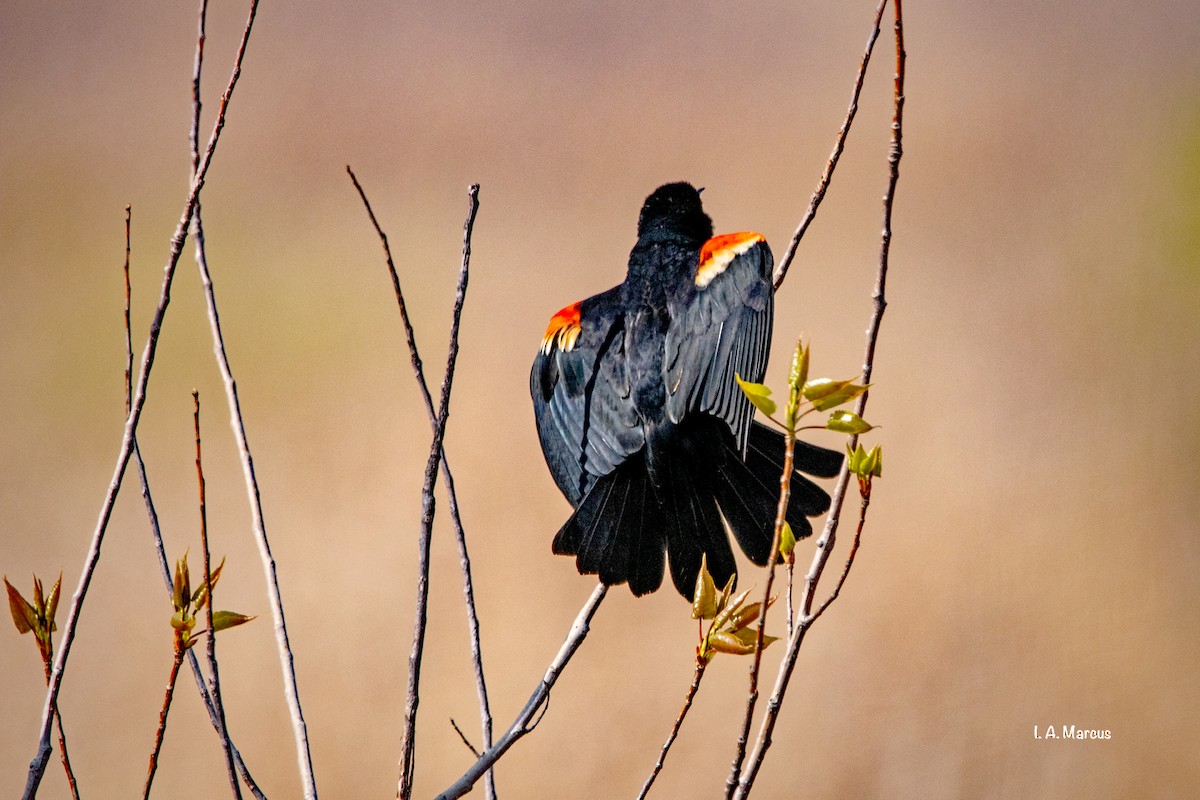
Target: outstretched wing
(581, 395)
(720, 326)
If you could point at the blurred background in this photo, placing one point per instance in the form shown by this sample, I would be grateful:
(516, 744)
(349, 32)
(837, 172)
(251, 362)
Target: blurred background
(1031, 554)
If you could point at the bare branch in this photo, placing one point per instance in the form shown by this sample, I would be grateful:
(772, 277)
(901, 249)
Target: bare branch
(485, 712)
(408, 761)
(524, 723)
(819, 194)
(701, 663)
(785, 492)
(829, 535)
(160, 550)
(222, 731)
(37, 765)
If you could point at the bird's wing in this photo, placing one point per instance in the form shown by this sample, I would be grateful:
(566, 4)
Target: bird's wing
(720, 326)
(581, 395)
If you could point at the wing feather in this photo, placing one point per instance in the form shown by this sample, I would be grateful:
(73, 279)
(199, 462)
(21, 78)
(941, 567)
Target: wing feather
(585, 419)
(720, 326)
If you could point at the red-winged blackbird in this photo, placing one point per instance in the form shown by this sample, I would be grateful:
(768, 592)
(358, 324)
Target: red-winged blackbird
(642, 424)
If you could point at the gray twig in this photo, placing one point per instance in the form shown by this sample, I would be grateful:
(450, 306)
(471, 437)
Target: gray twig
(828, 536)
(485, 712)
(198, 237)
(524, 723)
(156, 536)
(408, 760)
(819, 194)
(37, 764)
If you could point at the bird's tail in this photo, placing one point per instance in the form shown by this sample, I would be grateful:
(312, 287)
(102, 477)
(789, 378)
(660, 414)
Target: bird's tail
(617, 531)
(637, 514)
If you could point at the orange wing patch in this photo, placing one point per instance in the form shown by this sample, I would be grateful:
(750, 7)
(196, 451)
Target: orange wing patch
(719, 251)
(563, 329)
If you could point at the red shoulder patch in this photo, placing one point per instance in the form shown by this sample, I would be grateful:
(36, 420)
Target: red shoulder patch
(563, 329)
(719, 251)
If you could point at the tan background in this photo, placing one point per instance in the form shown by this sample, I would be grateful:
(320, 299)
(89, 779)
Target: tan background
(1032, 552)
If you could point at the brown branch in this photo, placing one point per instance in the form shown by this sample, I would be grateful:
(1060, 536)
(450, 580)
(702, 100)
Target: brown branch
(862, 518)
(211, 648)
(162, 720)
(408, 761)
(701, 663)
(828, 536)
(838, 146)
(37, 764)
(460, 537)
(785, 492)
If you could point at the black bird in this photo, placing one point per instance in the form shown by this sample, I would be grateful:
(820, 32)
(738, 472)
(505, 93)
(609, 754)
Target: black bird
(641, 421)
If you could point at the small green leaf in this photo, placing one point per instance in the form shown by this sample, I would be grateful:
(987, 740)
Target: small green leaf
(52, 603)
(726, 642)
(798, 375)
(787, 541)
(182, 621)
(875, 461)
(201, 596)
(730, 609)
(23, 614)
(229, 619)
(704, 601)
(758, 395)
(826, 393)
(847, 422)
(182, 589)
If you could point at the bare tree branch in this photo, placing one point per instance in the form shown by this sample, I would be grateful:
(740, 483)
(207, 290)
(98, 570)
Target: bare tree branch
(701, 663)
(485, 712)
(408, 760)
(785, 491)
(156, 536)
(839, 144)
(828, 537)
(211, 648)
(524, 723)
(37, 765)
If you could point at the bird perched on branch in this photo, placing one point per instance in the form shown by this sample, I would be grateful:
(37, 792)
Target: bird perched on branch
(641, 420)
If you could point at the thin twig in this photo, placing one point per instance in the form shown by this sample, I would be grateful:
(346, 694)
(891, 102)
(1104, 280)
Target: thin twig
(828, 536)
(160, 549)
(37, 765)
(47, 656)
(524, 723)
(701, 663)
(128, 328)
(237, 423)
(211, 643)
(408, 761)
(162, 722)
(862, 518)
(485, 712)
(791, 604)
(464, 738)
(819, 194)
(785, 492)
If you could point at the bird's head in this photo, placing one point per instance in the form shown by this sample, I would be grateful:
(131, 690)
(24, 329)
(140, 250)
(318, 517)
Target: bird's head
(675, 208)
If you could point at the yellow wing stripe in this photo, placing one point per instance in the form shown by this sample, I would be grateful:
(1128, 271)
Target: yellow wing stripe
(719, 251)
(563, 330)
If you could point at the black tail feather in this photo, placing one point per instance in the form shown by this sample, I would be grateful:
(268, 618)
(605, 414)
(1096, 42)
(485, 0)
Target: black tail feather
(616, 533)
(630, 526)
